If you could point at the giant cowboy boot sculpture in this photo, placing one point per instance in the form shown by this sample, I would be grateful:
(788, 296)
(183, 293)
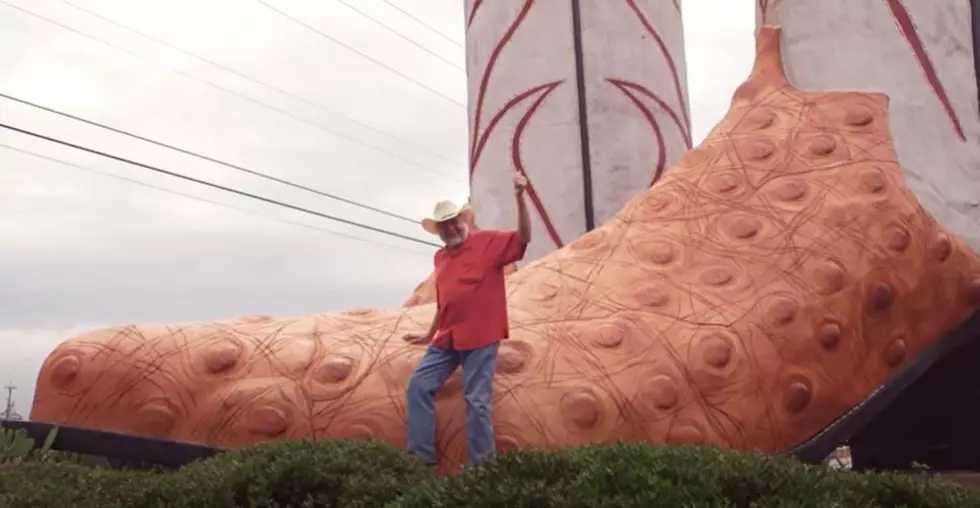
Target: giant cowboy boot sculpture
(777, 277)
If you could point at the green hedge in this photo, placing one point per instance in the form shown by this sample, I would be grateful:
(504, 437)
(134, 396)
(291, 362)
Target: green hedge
(636, 475)
(366, 473)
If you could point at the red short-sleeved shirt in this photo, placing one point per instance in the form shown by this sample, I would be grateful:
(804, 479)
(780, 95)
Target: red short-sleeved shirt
(470, 291)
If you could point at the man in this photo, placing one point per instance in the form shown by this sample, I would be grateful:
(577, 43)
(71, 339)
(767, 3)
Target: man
(470, 322)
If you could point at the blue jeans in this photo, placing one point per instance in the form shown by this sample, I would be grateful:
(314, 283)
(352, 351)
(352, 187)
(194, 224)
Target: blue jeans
(432, 372)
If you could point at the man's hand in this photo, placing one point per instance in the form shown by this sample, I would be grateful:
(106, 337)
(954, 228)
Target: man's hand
(520, 183)
(416, 338)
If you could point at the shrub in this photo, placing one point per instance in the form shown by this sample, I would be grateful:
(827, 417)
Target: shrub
(637, 475)
(367, 473)
(65, 484)
(336, 473)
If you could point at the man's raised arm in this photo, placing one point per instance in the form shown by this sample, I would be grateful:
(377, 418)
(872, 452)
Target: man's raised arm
(523, 222)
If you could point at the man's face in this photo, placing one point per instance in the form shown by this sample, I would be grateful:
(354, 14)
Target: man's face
(453, 231)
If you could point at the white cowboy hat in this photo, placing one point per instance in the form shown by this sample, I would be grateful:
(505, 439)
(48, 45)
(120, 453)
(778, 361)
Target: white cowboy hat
(443, 211)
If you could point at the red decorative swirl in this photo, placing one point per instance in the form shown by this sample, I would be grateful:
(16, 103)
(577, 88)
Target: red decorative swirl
(661, 147)
(515, 152)
(670, 60)
(685, 133)
(485, 136)
(907, 27)
(485, 80)
(476, 7)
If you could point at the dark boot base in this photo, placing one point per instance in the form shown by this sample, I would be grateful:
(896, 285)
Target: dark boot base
(936, 393)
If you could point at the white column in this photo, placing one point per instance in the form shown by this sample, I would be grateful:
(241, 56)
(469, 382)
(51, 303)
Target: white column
(588, 98)
(921, 54)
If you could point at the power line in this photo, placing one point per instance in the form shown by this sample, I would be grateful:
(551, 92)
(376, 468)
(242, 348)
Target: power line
(232, 92)
(211, 159)
(355, 51)
(253, 80)
(204, 200)
(218, 186)
(401, 35)
(423, 23)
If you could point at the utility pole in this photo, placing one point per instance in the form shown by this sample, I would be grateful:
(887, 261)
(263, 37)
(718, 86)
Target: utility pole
(8, 412)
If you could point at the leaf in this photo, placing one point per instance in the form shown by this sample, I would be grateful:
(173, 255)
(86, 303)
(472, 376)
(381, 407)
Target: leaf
(49, 440)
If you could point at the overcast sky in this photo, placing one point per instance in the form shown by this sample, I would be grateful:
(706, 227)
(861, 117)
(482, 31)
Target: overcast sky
(81, 250)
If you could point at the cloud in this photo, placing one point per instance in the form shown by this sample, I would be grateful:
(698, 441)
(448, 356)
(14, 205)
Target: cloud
(80, 250)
